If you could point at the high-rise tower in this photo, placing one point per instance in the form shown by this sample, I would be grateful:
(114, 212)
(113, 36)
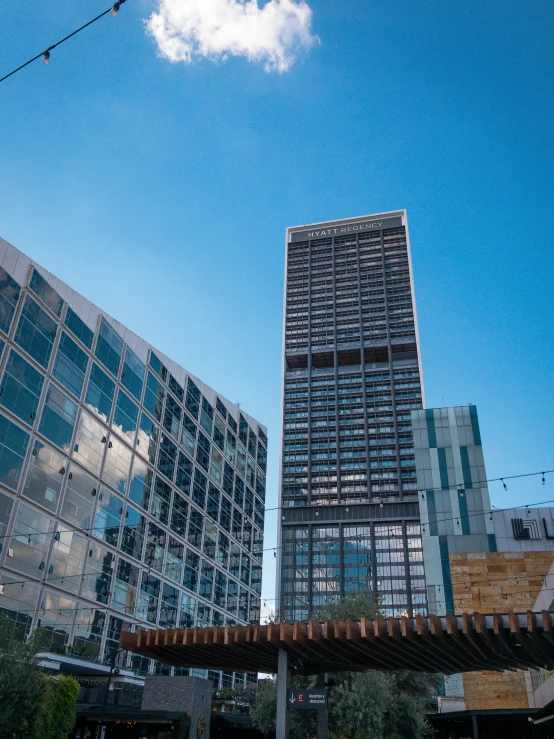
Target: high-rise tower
(351, 377)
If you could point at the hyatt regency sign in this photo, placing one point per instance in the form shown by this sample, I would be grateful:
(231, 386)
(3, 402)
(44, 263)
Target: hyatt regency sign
(325, 232)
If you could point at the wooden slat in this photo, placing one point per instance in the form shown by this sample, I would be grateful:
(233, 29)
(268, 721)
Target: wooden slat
(431, 644)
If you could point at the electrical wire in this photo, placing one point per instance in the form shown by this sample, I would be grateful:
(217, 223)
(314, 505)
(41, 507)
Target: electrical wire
(79, 529)
(45, 55)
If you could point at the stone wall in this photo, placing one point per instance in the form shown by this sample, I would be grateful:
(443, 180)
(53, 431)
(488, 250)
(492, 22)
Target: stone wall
(190, 695)
(497, 582)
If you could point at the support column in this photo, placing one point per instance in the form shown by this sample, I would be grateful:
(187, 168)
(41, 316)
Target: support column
(283, 684)
(474, 726)
(323, 713)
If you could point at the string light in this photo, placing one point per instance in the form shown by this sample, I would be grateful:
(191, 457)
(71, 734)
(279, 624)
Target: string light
(504, 484)
(45, 55)
(543, 479)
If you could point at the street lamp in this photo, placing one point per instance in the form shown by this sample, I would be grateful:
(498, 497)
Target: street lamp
(113, 671)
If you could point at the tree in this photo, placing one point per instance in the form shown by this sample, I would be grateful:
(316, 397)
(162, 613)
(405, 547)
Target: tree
(57, 714)
(380, 705)
(362, 705)
(22, 686)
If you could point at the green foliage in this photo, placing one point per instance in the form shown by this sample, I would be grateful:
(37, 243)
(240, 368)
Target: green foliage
(353, 608)
(265, 706)
(264, 709)
(32, 706)
(22, 686)
(57, 714)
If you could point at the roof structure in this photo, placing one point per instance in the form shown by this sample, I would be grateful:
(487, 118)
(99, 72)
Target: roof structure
(450, 644)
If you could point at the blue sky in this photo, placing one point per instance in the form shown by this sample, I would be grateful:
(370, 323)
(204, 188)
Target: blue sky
(161, 191)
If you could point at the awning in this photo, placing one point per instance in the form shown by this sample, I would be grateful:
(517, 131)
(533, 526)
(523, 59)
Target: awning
(450, 644)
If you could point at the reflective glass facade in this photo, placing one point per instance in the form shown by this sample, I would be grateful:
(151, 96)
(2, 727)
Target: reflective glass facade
(130, 492)
(351, 380)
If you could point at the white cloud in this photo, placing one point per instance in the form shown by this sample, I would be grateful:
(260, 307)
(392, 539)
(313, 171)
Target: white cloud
(273, 34)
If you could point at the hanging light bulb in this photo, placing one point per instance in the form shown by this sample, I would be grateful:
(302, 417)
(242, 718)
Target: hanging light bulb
(115, 9)
(543, 479)
(46, 57)
(503, 483)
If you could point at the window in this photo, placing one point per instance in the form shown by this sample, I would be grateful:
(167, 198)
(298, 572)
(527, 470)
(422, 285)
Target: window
(192, 402)
(243, 429)
(252, 443)
(70, 365)
(132, 376)
(79, 497)
(206, 416)
(98, 573)
(44, 477)
(176, 388)
(35, 332)
(153, 396)
(47, 294)
(188, 435)
(179, 515)
(161, 500)
(109, 347)
(108, 516)
(213, 502)
(9, 295)
(172, 417)
(100, 392)
(216, 466)
(195, 528)
(141, 483)
(117, 464)
(203, 451)
(21, 388)
(168, 610)
(147, 439)
(68, 557)
(188, 611)
(78, 328)
(230, 447)
(199, 489)
(192, 565)
(206, 580)
(155, 547)
(125, 417)
(133, 533)
(30, 540)
(167, 457)
(125, 586)
(184, 473)
(88, 448)
(58, 418)
(13, 448)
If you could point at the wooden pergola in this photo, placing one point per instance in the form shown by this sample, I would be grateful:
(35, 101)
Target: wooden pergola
(448, 644)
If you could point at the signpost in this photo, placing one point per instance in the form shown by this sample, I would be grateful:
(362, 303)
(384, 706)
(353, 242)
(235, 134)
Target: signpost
(307, 699)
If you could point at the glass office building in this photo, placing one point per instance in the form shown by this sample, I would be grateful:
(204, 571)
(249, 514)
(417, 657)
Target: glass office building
(351, 378)
(131, 494)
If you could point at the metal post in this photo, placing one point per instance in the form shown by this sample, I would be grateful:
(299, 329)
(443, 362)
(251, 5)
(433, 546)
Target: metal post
(475, 727)
(113, 671)
(323, 713)
(283, 684)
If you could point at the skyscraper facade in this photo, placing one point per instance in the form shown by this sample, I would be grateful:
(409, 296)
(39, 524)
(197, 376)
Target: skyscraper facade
(351, 378)
(131, 493)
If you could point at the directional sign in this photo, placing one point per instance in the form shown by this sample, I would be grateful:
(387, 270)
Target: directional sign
(308, 699)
